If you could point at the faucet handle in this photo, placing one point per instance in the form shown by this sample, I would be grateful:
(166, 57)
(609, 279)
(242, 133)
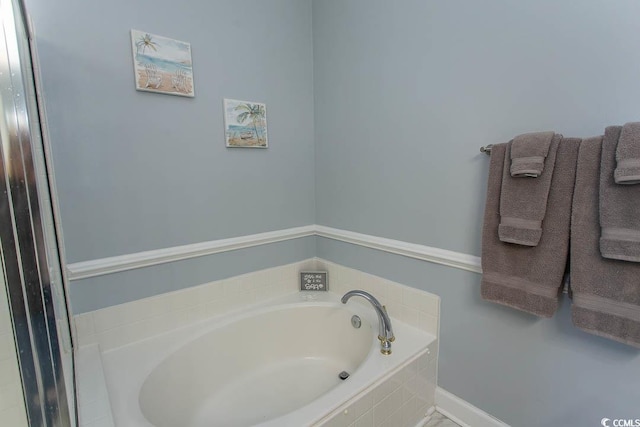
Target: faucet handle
(383, 339)
(385, 346)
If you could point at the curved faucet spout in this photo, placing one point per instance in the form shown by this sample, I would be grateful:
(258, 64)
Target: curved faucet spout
(385, 331)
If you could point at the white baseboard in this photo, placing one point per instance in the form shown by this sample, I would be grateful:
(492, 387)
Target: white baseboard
(462, 412)
(424, 421)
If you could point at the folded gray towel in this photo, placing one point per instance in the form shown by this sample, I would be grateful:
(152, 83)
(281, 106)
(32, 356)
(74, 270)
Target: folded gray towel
(628, 155)
(528, 154)
(523, 202)
(606, 293)
(529, 278)
(619, 207)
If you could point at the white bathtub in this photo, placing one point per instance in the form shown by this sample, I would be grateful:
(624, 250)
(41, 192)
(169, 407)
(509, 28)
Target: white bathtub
(276, 364)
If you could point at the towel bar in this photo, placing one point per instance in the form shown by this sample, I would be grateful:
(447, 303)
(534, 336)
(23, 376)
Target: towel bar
(486, 149)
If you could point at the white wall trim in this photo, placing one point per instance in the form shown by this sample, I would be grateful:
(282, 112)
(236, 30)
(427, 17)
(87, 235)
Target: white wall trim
(102, 266)
(462, 412)
(99, 267)
(411, 250)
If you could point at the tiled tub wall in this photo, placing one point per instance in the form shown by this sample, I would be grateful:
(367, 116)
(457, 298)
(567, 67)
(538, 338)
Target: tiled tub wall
(403, 399)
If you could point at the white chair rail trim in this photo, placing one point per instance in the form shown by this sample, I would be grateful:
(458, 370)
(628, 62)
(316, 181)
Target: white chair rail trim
(115, 264)
(102, 266)
(399, 247)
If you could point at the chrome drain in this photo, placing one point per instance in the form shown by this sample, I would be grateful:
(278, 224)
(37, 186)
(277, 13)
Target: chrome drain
(356, 322)
(343, 375)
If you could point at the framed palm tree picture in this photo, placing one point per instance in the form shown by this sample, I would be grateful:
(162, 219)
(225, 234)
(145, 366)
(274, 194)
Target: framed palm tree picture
(245, 124)
(161, 64)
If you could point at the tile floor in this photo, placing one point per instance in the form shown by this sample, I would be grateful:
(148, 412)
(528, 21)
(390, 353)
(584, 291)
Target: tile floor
(439, 420)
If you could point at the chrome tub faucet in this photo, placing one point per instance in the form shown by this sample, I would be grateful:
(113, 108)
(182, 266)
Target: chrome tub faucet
(385, 332)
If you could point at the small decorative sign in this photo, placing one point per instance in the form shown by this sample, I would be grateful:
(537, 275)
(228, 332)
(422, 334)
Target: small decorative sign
(313, 281)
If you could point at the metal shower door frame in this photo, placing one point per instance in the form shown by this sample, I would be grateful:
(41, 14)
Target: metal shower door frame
(22, 241)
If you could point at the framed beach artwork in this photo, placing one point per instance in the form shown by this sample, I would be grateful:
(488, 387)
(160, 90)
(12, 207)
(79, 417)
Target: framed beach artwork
(245, 124)
(161, 64)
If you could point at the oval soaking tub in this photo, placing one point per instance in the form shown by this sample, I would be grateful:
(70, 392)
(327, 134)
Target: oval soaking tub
(255, 369)
(277, 364)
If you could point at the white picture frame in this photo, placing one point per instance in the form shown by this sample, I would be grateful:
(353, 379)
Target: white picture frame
(245, 124)
(162, 65)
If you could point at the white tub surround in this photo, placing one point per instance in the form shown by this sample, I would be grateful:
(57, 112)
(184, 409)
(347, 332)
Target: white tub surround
(95, 407)
(127, 323)
(261, 330)
(417, 308)
(238, 368)
(402, 398)
(12, 410)
(123, 324)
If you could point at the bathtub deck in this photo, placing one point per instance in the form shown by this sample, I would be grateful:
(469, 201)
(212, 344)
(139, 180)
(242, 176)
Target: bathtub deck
(94, 407)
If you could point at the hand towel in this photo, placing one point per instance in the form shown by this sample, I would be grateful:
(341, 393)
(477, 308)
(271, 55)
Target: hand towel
(606, 292)
(529, 278)
(523, 202)
(619, 206)
(628, 155)
(528, 154)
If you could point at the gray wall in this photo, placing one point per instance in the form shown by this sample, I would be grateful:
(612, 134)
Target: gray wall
(405, 94)
(137, 171)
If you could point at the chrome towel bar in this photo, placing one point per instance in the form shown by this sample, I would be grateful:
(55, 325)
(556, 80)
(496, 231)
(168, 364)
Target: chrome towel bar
(486, 149)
